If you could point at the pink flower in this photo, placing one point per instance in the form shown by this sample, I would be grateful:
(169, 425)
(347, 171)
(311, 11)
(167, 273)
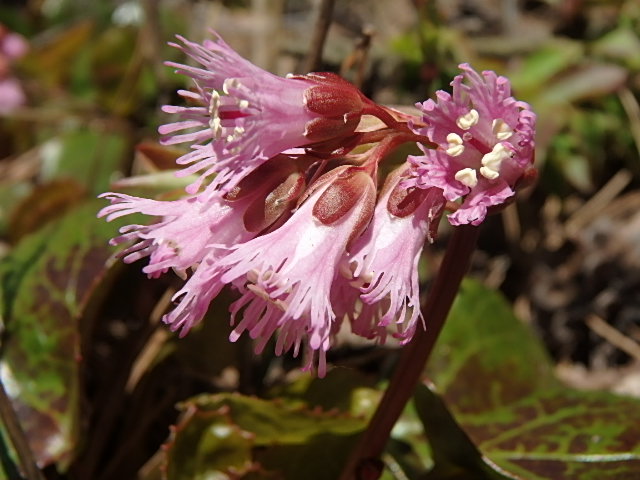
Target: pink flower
(284, 210)
(244, 115)
(12, 47)
(196, 232)
(384, 260)
(485, 140)
(286, 276)
(11, 95)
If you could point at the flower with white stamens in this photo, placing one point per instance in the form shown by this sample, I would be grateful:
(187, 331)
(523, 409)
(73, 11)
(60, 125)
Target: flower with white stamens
(485, 140)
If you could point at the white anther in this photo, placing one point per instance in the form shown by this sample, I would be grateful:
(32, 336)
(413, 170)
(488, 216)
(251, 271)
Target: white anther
(244, 104)
(238, 131)
(491, 161)
(465, 122)
(214, 103)
(230, 83)
(500, 129)
(259, 292)
(230, 138)
(467, 177)
(253, 275)
(216, 127)
(455, 145)
(487, 173)
(289, 75)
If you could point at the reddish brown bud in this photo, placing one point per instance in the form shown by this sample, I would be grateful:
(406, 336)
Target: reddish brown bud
(263, 212)
(323, 128)
(266, 177)
(273, 188)
(404, 201)
(333, 100)
(351, 188)
(338, 103)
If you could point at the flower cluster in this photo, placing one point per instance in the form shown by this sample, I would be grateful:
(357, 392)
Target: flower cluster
(290, 214)
(12, 47)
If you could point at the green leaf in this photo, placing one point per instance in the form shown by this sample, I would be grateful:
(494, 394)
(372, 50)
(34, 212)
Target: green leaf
(621, 44)
(88, 156)
(46, 283)
(499, 385)
(344, 389)
(269, 436)
(45, 203)
(586, 82)
(220, 446)
(51, 60)
(542, 65)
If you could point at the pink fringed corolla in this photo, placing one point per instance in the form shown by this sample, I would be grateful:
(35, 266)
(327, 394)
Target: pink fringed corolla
(384, 260)
(486, 144)
(244, 115)
(286, 213)
(195, 232)
(286, 276)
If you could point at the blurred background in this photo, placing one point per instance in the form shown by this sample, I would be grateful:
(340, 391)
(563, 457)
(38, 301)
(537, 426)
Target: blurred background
(81, 86)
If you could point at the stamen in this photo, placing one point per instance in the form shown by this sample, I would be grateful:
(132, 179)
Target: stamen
(465, 122)
(238, 131)
(488, 173)
(491, 161)
(244, 104)
(500, 129)
(253, 275)
(455, 145)
(467, 176)
(259, 292)
(216, 127)
(230, 83)
(214, 103)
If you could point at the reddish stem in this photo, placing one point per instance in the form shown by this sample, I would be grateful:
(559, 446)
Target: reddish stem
(364, 463)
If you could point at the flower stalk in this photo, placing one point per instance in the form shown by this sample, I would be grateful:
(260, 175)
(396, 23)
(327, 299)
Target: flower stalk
(364, 462)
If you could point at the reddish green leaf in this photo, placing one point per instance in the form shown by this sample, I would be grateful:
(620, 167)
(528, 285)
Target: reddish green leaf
(291, 442)
(453, 453)
(46, 283)
(498, 383)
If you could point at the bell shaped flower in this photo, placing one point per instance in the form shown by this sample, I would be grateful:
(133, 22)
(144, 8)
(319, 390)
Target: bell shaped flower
(486, 144)
(242, 115)
(195, 232)
(286, 276)
(383, 262)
